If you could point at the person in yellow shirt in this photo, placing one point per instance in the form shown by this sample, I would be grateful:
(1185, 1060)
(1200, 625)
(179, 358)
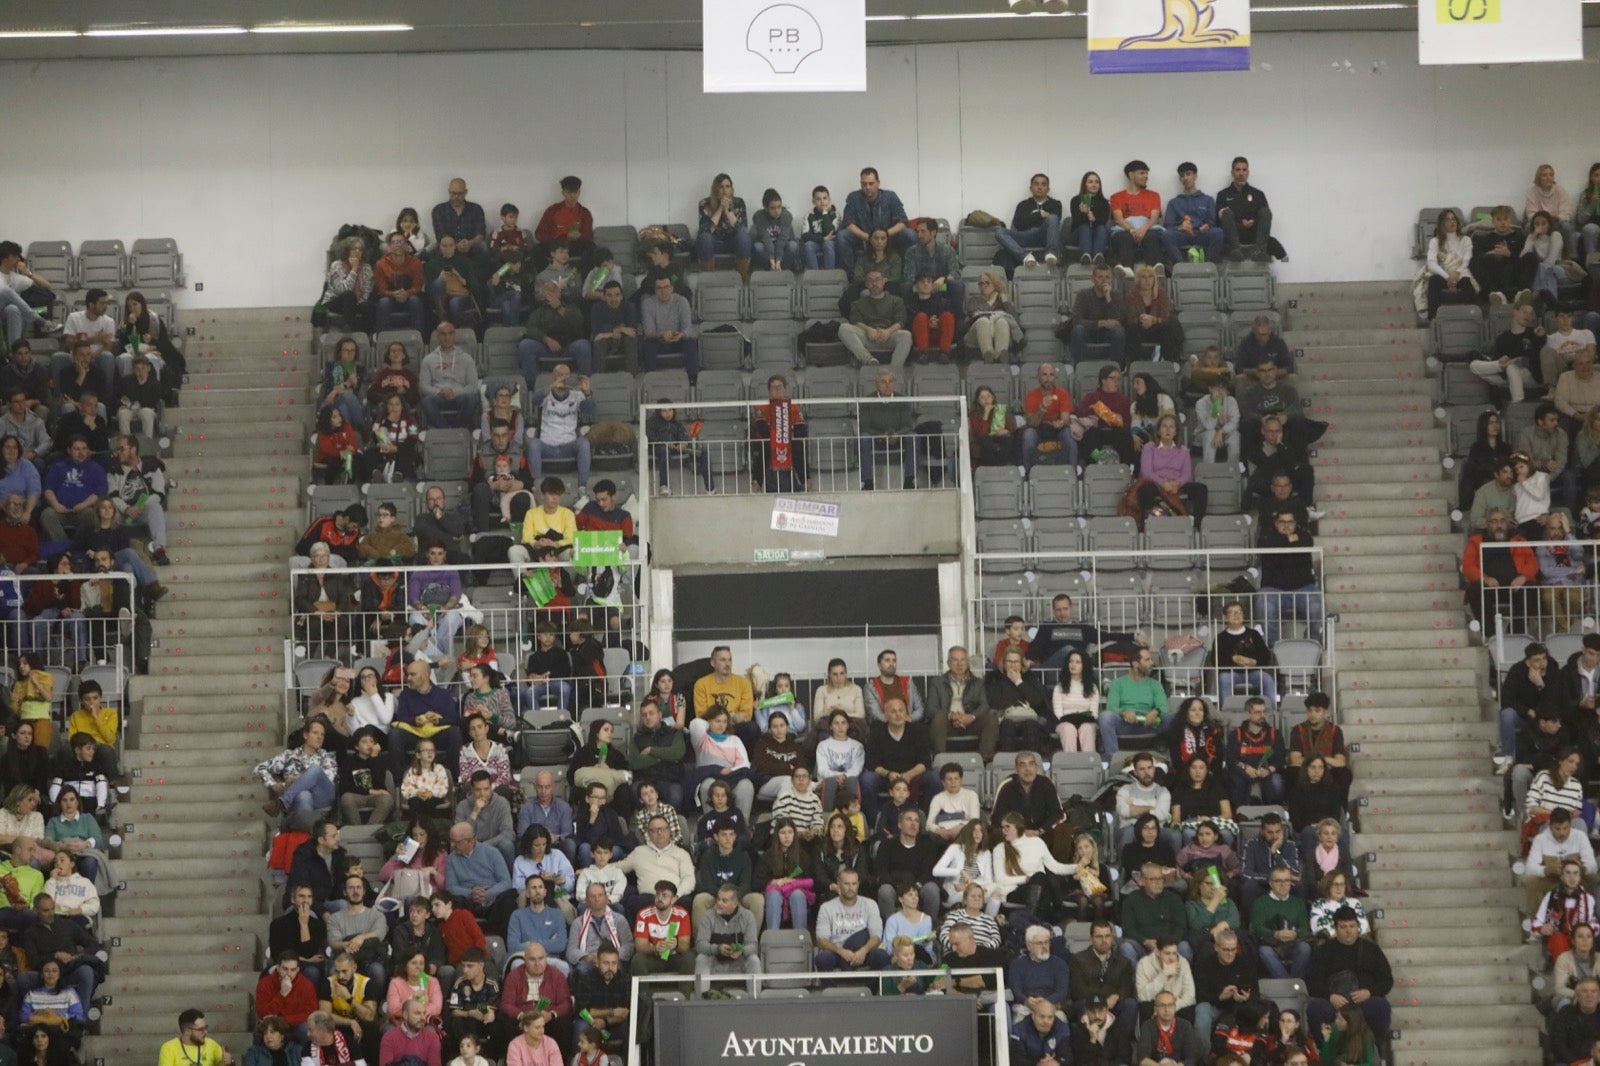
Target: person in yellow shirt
(723, 687)
(549, 522)
(192, 1047)
(92, 717)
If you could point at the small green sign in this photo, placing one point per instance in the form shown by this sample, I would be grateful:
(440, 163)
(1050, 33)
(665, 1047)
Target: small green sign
(598, 547)
(772, 555)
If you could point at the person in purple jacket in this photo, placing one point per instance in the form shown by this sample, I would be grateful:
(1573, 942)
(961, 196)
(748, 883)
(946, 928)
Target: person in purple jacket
(1168, 469)
(72, 486)
(434, 597)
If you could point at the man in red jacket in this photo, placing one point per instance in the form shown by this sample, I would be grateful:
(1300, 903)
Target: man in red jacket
(536, 986)
(567, 220)
(284, 991)
(1500, 568)
(457, 927)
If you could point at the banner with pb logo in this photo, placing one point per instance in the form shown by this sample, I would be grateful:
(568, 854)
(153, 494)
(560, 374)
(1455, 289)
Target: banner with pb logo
(1499, 31)
(784, 46)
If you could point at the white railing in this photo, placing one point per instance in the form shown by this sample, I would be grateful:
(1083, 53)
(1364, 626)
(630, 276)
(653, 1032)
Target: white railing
(1541, 608)
(1159, 597)
(498, 596)
(102, 641)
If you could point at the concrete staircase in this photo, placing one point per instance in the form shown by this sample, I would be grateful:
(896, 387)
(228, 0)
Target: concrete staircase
(1410, 683)
(190, 927)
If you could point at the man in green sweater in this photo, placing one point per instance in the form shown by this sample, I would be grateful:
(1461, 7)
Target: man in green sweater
(879, 318)
(1150, 915)
(1135, 704)
(1281, 923)
(887, 428)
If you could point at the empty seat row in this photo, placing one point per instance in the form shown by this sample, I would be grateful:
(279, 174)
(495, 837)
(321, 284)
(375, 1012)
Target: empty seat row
(1055, 491)
(108, 264)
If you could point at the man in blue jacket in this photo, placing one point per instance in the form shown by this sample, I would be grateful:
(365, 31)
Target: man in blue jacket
(1191, 220)
(1040, 1039)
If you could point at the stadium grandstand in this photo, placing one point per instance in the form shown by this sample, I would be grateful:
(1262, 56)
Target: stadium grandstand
(1125, 590)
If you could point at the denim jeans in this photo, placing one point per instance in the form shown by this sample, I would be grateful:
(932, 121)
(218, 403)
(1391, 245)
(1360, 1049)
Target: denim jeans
(798, 913)
(1299, 961)
(1113, 728)
(1179, 242)
(661, 456)
(510, 305)
(1260, 680)
(909, 446)
(130, 560)
(539, 451)
(536, 694)
(309, 792)
(1084, 334)
(788, 256)
(17, 315)
(1030, 448)
(1046, 235)
(1590, 240)
(531, 354)
(410, 307)
(74, 632)
(1092, 239)
(707, 246)
(824, 255)
(1306, 602)
(463, 410)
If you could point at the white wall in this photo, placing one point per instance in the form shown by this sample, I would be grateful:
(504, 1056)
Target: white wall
(252, 163)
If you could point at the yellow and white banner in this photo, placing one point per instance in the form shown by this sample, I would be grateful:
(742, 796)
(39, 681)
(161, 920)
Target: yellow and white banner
(1499, 31)
(1159, 36)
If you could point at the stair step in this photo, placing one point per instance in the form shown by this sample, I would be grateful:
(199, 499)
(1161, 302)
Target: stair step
(252, 831)
(1415, 387)
(1348, 604)
(145, 772)
(1411, 340)
(1504, 1016)
(1430, 580)
(1431, 770)
(1365, 618)
(1483, 858)
(179, 902)
(1337, 525)
(148, 811)
(206, 746)
(1406, 492)
(1326, 292)
(1470, 732)
(257, 625)
(238, 853)
(1484, 784)
(201, 643)
(1393, 753)
(1487, 932)
(215, 927)
(1363, 659)
(205, 678)
(1400, 920)
(1431, 900)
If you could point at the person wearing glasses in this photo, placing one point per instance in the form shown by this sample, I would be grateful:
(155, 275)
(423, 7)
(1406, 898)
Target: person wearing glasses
(192, 1046)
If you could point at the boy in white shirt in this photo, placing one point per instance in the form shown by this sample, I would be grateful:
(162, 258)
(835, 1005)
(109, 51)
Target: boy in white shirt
(602, 873)
(952, 808)
(1561, 347)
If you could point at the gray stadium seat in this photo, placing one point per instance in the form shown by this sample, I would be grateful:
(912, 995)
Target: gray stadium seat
(156, 264)
(773, 294)
(53, 261)
(102, 264)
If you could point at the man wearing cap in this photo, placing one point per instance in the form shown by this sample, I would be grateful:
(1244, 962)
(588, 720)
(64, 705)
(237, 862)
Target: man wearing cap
(1191, 219)
(1136, 231)
(1099, 974)
(1098, 1039)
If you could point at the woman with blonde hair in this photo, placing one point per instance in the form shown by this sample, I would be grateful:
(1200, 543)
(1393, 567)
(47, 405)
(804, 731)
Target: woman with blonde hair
(968, 861)
(724, 228)
(347, 291)
(990, 322)
(1149, 318)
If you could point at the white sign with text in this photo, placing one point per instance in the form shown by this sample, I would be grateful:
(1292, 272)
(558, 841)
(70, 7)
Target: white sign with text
(785, 46)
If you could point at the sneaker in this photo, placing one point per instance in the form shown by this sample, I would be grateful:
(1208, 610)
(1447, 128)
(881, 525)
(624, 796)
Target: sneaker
(273, 808)
(1099, 259)
(909, 485)
(1126, 272)
(1315, 515)
(867, 486)
(159, 557)
(1261, 255)
(156, 591)
(1050, 259)
(713, 492)
(1522, 294)
(1498, 299)
(1573, 269)
(1028, 260)
(1086, 258)
(51, 329)
(663, 490)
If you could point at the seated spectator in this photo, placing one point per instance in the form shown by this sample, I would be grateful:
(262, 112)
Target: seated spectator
(725, 939)
(772, 234)
(1166, 479)
(927, 255)
(366, 786)
(464, 220)
(1281, 922)
(1333, 895)
(486, 811)
(1242, 657)
(1269, 454)
(662, 935)
(1165, 986)
(1544, 256)
(303, 778)
(1141, 797)
(1102, 981)
(1508, 569)
(1149, 319)
(614, 326)
(1531, 490)
(1190, 221)
(1264, 856)
(1135, 704)
(877, 318)
(1281, 496)
(454, 283)
(1558, 787)
(1550, 849)
(141, 394)
(1447, 270)
(598, 931)
(1563, 566)
(559, 409)
(1289, 579)
(1050, 419)
(1263, 344)
(869, 210)
(1497, 263)
(1224, 979)
(512, 284)
(24, 426)
(849, 929)
(1151, 917)
(1020, 701)
(1198, 795)
(1039, 1037)
(285, 992)
(398, 283)
(449, 384)
(1036, 223)
(1207, 853)
(1574, 1029)
(348, 290)
(394, 377)
(1108, 417)
(666, 325)
(72, 486)
(1136, 232)
(555, 330)
(1255, 758)
(724, 228)
(1576, 963)
(395, 454)
(358, 930)
(1349, 969)
(1097, 316)
(991, 429)
(1194, 734)
(989, 319)
(1150, 405)
(567, 220)
(889, 428)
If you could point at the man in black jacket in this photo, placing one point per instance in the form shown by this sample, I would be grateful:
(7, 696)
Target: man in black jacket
(1349, 969)
(319, 863)
(1099, 1039)
(1223, 979)
(1036, 223)
(1100, 973)
(1575, 1027)
(1030, 795)
(907, 859)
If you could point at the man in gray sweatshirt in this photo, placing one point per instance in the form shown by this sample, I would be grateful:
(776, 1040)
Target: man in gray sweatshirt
(449, 383)
(667, 325)
(490, 815)
(878, 318)
(725, 941)
(887, 428)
